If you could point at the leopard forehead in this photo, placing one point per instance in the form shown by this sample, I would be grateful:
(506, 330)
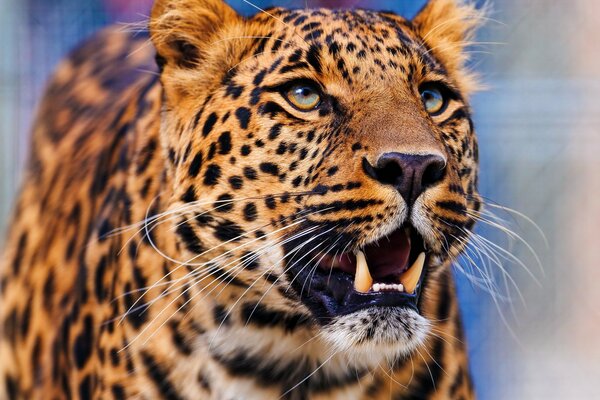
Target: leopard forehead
(369, 63)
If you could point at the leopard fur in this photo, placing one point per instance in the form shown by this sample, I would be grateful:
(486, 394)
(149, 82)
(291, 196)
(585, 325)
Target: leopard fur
(145, 257)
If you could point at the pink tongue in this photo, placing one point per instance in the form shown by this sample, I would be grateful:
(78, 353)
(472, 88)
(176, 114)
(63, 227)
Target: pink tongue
(387, 257)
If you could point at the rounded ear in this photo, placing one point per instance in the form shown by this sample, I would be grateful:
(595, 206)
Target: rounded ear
(181, 29)
(447, 28)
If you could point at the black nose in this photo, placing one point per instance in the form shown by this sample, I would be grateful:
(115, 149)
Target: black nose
(410, 174)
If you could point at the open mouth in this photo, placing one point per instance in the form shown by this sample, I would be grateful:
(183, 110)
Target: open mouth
(388, 272)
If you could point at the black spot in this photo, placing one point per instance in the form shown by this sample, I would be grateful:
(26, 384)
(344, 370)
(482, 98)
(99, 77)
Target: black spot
(189, 195)
(82, 348)
(331, 171)
(275, 131)
(100, 290)
(313, 58)
(270, 202)
(118, 392)
(85, 388)
(228, 231)
(203, 219)
(250, 173)
(269, 168)
(243, 115)
(250, 212)
(296, 56)
(255, 96)
(281, 149)
(26, 320)
(224, 203)
(195, 165)
(234, 91)
(115, 358)
(224, 143)
(104, 230)
(245, 150)
(209, 124)
(236, 182)
(189, 238)
(259, 77)
(136, 312)
(212, 175)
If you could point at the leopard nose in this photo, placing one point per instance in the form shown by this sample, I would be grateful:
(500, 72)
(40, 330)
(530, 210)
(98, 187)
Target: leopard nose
(410, 174)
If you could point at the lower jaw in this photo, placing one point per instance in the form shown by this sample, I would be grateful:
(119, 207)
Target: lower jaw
(331, 294)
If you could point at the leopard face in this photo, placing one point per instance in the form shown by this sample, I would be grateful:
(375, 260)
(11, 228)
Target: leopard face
(301, 143)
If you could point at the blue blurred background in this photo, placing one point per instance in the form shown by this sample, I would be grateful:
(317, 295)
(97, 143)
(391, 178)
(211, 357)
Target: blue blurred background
(538, 124)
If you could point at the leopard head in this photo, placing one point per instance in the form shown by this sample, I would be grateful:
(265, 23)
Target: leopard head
(323, 163)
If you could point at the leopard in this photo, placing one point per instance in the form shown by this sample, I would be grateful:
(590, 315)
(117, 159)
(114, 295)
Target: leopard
(218, 206)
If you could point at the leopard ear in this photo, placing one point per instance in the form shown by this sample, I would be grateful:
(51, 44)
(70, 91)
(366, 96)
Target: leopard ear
(181, 30)
(447, 27)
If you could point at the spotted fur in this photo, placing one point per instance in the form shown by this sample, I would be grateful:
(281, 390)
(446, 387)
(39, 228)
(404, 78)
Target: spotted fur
(147, 253)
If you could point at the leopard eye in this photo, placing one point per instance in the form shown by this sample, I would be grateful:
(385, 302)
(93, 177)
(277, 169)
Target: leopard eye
(433, 100)
(303, 96)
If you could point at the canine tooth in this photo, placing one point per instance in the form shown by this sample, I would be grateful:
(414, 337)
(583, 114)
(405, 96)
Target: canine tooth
(410, 277)
(362, 279)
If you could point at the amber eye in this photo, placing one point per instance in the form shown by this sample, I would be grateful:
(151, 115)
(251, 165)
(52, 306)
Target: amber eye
(303, 96)
(433, 100)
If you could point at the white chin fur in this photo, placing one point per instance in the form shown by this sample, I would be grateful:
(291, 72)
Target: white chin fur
(377, 334)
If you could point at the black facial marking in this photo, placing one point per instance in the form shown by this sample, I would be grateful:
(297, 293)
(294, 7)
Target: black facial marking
(209, 124)
(188, 236)
(275, 131)
(229, 231)
(250, 173)
(236, 182)
(224, 203)
(189, 195)
(224, 143)
(212, 175)
(313, 58)
(245, 150)
(195, 165)
(250, 212)
(269, 168)
(243, 116)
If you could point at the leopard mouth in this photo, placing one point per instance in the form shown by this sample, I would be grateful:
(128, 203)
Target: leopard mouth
(385, 273)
